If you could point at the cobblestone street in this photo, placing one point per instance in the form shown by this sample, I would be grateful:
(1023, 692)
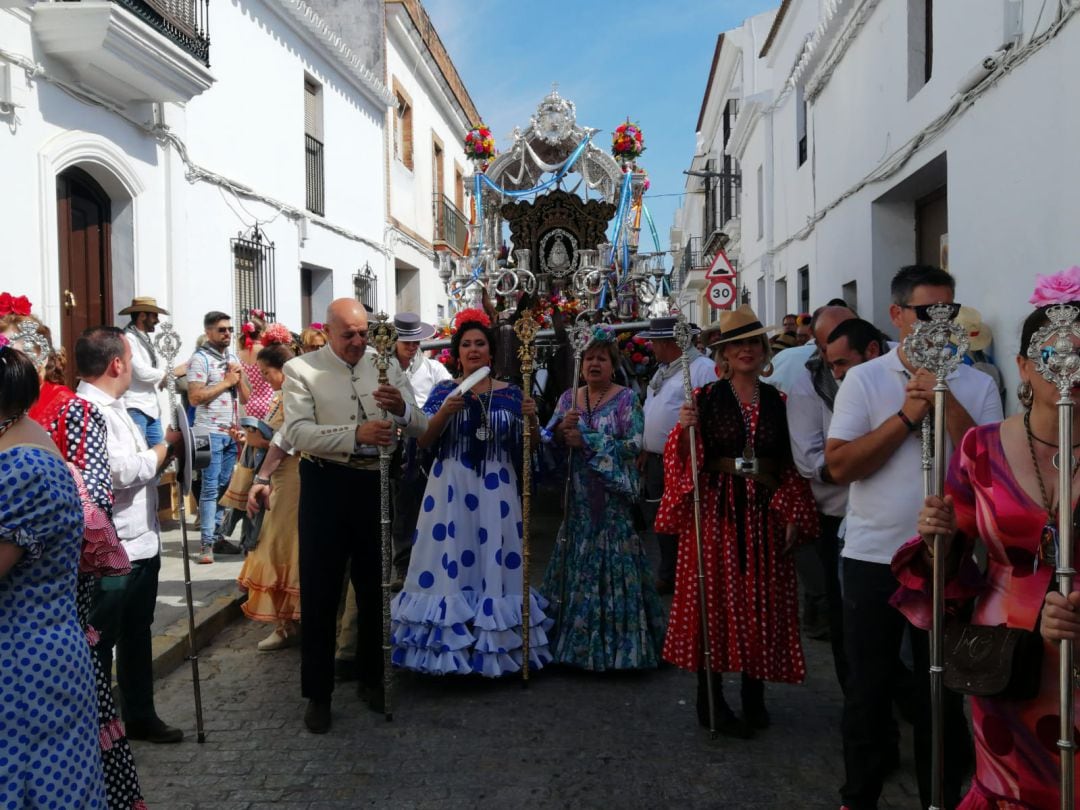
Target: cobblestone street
(570, 739)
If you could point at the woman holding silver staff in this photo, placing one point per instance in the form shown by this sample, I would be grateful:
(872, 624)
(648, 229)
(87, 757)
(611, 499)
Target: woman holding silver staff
(755, 507)
(611, 616)
(460, 611)
(1002, 489)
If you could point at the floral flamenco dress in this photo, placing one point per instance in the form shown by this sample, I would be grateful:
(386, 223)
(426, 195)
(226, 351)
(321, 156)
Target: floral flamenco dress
(460, 611)
(611, 616)
(1016, 754)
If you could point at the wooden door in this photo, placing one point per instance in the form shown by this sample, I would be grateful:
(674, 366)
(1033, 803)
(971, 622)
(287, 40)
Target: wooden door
(84, 217)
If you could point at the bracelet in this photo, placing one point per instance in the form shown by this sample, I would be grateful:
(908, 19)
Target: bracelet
(911, 426)
(258, 479)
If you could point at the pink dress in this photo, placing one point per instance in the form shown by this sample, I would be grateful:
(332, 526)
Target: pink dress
(1016, 754)
(258, 403)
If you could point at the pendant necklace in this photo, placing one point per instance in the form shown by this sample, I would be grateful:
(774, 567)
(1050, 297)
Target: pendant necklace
(1056, 458)
(589, 406)
(483, 433)
(747, 414)
(1048, 538)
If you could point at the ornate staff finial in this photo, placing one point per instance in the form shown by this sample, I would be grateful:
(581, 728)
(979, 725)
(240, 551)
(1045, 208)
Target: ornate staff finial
(1054, 349)
(383, 337)
(937, 344)
(526, 329)
(33, 344)
(683, 333)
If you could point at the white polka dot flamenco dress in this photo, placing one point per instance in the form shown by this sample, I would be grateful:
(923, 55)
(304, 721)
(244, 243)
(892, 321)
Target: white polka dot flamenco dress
(460, 610)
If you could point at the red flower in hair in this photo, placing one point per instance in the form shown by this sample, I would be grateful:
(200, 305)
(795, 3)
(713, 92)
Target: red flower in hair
(276, 333)
(20, 305)
(472, 315)
(6, 304)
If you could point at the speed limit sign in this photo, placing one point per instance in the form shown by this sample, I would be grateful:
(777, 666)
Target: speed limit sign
(721, 292)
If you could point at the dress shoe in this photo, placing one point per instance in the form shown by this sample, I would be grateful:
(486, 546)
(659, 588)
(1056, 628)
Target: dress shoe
(281, 638)
(154, 730)
(374, 696)
(223, 546)
(317, 716)
(757, 717)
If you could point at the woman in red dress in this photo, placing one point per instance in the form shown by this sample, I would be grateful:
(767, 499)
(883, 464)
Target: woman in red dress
(754, 508)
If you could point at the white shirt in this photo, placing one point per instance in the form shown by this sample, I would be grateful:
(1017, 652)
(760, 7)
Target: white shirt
(142, 395)
(424, 374)
(788, 365)
(808, 424)
(133, 468)
(882, 509)
(662, 408)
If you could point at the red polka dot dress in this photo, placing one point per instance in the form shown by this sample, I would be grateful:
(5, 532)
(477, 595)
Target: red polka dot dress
(751, 589)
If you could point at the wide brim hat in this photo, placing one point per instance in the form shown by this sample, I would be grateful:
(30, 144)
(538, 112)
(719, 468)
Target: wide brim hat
(664, 329)
(410, 327)
(143, 304)
(979, 334)
(738, 324)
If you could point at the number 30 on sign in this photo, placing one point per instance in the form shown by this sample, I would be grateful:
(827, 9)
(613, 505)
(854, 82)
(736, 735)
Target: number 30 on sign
(721, 292)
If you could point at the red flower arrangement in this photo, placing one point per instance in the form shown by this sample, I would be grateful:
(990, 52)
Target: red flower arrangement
(471, 315)
(627, 142)
(479, 143)
(639, 353)
(14, 305)
(276, 333)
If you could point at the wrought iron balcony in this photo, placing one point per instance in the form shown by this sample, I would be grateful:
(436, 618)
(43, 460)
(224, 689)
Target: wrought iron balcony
(316, 187)
(451, 226)
(185, 22)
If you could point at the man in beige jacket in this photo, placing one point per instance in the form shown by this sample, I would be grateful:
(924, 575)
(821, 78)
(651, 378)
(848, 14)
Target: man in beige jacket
(333, 404)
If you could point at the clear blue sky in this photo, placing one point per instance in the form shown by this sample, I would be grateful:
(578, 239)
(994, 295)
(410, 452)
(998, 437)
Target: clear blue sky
(649, 60)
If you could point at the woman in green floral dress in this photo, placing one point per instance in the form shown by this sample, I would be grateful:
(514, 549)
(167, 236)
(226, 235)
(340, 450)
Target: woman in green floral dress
(608, 613)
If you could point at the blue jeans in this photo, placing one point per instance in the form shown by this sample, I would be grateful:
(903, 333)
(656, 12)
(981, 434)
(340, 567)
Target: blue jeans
(215, 479)
(151, 428)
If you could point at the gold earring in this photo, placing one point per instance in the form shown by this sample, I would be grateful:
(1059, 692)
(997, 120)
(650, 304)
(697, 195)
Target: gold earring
(767, 369)
(1025, 394)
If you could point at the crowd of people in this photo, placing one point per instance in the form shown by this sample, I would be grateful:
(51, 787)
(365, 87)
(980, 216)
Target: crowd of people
(806, 441)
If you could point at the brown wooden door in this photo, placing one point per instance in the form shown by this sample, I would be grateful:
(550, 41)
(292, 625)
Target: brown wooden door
(85, 279)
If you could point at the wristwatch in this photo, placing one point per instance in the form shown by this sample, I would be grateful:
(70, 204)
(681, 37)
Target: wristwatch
(258, 479)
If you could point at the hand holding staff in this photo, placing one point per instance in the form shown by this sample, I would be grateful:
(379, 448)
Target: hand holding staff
(383, 338)
(1053, 349)
(167, 344)
(938, 346)
(526, 329)
(684, 338)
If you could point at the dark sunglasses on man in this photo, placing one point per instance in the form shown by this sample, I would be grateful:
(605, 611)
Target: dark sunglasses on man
(922, 311)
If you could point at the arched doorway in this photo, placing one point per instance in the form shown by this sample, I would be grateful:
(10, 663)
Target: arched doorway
(85, 224)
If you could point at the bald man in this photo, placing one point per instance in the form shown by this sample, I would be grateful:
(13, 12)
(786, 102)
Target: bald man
(333, 402)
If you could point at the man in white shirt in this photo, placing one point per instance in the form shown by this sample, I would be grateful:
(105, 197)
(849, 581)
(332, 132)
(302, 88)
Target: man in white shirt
(123, 609)
(662, 402)
(874, 446)
(147, 371)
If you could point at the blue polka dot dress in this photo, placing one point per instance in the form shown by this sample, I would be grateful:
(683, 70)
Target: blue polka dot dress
(49, 753)
(460, 610)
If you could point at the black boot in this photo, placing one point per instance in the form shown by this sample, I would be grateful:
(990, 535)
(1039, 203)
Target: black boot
(727, 723)
(753, 703)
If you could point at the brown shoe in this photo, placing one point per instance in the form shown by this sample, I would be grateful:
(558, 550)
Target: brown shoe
(155, 731)
(317, 716)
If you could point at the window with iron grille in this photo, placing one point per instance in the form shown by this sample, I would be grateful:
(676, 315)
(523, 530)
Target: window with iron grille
(366, 287)
(253, 274)
(313, 147)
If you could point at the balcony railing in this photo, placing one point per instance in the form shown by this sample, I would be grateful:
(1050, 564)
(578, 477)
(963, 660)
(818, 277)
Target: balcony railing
(185, 22)
(451, 226)
(316, 187)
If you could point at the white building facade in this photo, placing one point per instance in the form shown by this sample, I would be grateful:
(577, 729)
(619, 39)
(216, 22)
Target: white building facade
(147, 161)
(427, 168)
(894, 132)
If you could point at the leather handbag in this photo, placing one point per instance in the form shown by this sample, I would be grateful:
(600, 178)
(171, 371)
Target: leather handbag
(243, 473)
(1001, 662)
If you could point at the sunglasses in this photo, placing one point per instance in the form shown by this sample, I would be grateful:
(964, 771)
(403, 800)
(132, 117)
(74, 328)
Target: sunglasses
(224, 329)
(922, 311)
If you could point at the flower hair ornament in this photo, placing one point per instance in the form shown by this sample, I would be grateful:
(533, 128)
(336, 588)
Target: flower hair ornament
(276, 333)
(4, 341)
(602, 333)
(1060, 288)
(14, 305)
(472, 315)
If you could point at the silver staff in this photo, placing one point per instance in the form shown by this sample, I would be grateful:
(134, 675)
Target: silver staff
(937, 345)
(384, 339)
(684, 338)
(578, 336)
(33, 343)
(167, 344)
(1054, 351)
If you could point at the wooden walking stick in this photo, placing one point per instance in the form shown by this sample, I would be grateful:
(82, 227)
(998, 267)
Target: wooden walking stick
(384, 339)
(167, 344)
(525, 329)
(937, 345)
(684, 339)
(1054, 351)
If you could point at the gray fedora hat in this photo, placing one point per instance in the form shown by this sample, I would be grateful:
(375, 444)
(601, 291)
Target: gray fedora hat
(410, 327)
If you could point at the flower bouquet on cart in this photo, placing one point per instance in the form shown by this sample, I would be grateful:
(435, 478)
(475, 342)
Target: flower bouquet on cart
(627, 142)
(480, 146)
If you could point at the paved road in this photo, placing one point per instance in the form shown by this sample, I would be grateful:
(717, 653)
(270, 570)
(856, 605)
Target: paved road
(569, 740)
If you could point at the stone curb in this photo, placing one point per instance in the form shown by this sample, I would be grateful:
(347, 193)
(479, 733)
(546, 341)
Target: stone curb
(170, 648)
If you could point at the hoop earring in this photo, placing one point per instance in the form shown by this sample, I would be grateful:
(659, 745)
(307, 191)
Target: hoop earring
(724, 369)
(767, 369)
(1025, 395)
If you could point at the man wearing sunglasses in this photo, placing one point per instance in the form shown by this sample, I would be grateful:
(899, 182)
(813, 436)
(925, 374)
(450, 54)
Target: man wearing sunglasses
(874, 446)
(216, 387)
